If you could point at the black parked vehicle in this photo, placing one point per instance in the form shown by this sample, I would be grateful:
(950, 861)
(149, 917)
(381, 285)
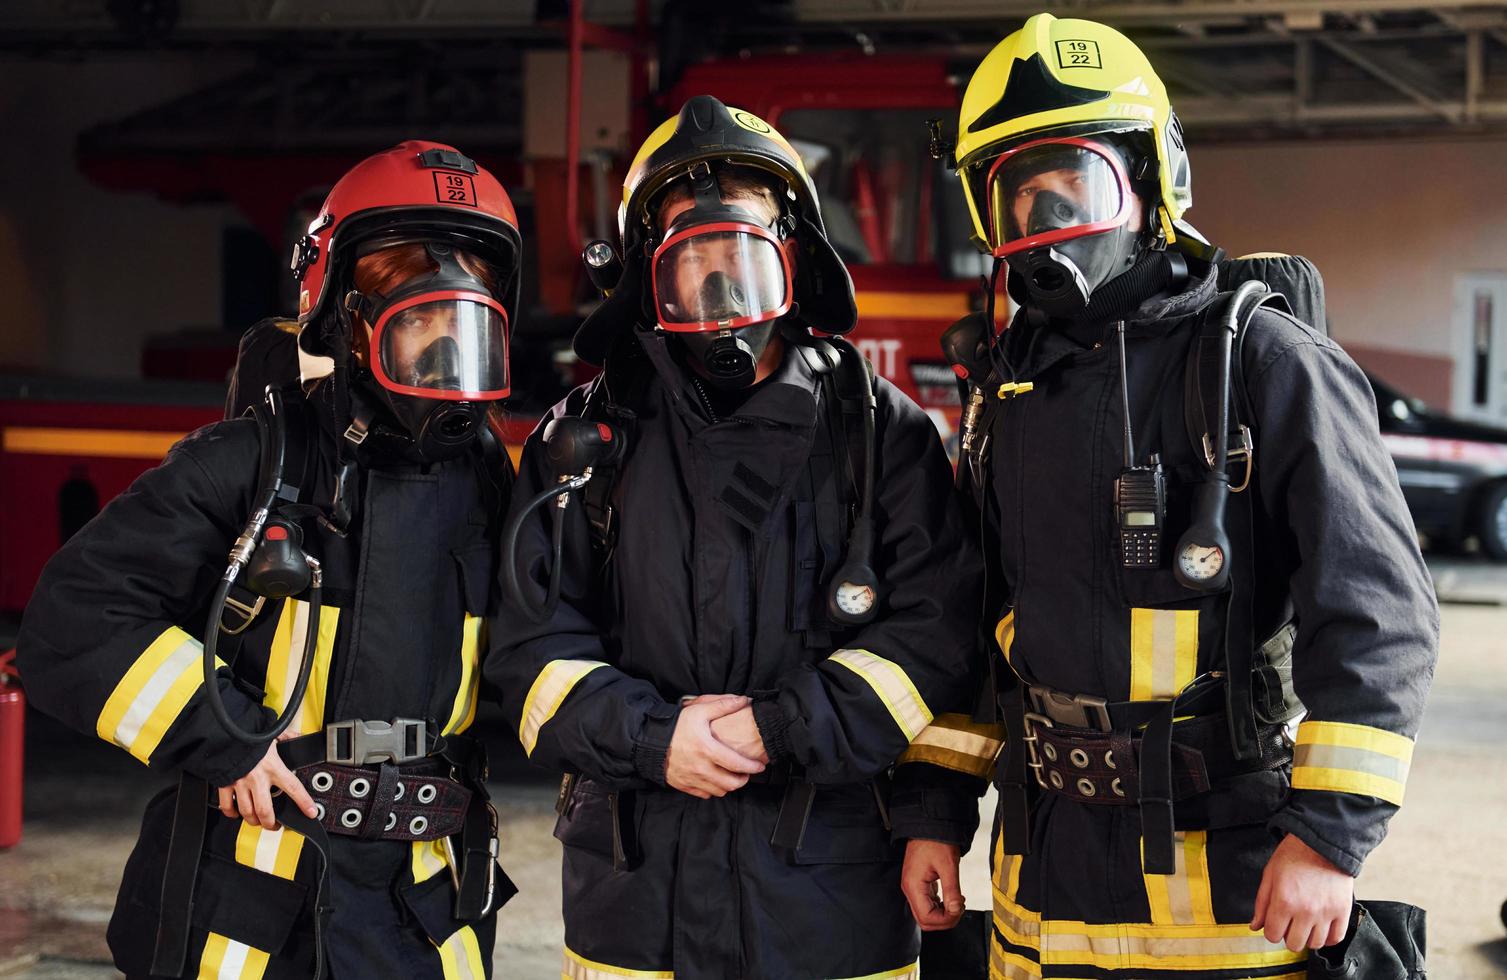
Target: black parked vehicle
(1453, 473)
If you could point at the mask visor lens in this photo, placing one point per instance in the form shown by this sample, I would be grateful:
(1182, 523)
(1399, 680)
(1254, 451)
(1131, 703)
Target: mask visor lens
(444, 345)
(1049, 192)
(720, 277)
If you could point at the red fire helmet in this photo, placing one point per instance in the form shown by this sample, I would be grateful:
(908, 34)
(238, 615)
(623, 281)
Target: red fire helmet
(417, 191)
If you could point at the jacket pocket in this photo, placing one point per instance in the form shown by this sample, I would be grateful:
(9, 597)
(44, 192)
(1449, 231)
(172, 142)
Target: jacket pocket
(477, 566)
(810, 566)
(247, 905)
(587, 822)
(432, 904)
(845, 827)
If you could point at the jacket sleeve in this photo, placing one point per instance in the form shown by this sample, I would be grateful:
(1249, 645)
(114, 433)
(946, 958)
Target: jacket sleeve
(110, 640)
(1368, 622)
(573, 710)
(849, 717)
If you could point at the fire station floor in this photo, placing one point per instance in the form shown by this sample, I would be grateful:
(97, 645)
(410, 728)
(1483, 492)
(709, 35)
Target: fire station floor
(1447, 849)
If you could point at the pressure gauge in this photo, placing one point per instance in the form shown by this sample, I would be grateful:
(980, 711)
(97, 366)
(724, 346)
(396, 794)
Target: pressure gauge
(855, 600)
(1200, 562)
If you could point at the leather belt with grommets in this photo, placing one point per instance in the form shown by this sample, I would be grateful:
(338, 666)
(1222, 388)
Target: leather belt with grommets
(415, 802)
(387, 780)
(1089, 750)
(1102, 767)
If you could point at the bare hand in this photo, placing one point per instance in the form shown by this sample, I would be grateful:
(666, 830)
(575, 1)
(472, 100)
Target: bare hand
(252, 793)
(929, 863)
(697, 763)
(1304, 901)
(739, 732)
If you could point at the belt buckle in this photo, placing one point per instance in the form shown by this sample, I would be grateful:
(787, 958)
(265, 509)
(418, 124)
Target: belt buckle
(358, 743)
(1072, 710)
(1033, 751)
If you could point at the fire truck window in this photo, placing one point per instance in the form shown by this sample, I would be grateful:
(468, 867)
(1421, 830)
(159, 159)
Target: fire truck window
(885, 201)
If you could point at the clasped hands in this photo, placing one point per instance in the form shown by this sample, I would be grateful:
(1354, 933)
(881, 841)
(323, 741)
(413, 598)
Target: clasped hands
(716, 746)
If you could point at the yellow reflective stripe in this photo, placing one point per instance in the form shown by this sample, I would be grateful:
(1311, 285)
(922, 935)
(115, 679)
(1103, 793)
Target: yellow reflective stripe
(1124, 945)
(225, 959)
(578, 967)
(549, 690)
(428, 859)
(274, 852)
(473, 638)
(893, 686)
(910, 972)
(152, 693)
(460, 956)
(954, 741)
(1183, 898)
(1163, 652)
(286, 657)
(1004, 634)
(1006, 965)
(212, 956)
(1347, 758)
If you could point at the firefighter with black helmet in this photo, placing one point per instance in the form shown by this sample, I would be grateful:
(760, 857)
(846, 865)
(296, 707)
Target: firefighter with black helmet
(367, 497)
(1195, 538)
(753, 604)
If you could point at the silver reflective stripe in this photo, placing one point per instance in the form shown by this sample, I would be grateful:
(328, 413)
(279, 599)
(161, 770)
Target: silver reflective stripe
(1355, 760)
(145, 703)
(555, 681)
(892, 685)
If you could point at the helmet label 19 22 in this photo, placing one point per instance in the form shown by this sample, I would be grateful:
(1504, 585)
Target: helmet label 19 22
(1078, 54)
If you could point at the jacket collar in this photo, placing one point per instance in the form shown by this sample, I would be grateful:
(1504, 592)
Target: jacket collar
(787, 397)
(1033, 344)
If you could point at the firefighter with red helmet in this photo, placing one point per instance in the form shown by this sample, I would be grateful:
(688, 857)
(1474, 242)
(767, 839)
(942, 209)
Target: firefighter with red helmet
(360, 843)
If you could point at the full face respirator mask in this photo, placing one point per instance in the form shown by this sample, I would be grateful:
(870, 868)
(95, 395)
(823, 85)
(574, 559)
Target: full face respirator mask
(439, 353)
(721, 279)
(1059, 215)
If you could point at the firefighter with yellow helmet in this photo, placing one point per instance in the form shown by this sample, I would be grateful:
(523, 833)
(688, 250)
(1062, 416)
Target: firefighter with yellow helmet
(1194, 539)
(745, 617)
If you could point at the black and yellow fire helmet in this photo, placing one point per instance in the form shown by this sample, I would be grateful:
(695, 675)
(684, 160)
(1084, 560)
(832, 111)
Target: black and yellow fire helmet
(1066, 78)
(707, 131)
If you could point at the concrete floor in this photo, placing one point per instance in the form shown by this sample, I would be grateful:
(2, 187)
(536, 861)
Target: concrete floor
(1445, 851)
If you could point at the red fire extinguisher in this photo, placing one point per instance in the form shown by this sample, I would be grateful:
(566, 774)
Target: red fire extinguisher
(12, 728)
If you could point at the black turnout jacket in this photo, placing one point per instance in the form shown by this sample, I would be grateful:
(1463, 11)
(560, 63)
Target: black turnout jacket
(111, 644)
(718, 585)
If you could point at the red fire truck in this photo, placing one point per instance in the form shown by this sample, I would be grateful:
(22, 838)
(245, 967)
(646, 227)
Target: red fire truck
(895, 215)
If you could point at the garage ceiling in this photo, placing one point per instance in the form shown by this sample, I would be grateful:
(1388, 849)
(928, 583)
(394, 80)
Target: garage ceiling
(1237, 69)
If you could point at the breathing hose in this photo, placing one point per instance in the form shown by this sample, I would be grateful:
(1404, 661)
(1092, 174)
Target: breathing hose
(510, 580)
(273, 448)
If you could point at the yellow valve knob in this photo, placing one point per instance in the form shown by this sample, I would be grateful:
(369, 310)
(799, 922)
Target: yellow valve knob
(1012, 388)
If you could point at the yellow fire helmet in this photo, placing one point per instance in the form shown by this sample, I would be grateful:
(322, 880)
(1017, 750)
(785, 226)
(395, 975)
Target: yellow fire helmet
(1063, 78)
(706, 131)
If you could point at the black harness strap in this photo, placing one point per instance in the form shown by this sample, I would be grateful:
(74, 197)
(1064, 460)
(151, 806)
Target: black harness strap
(1200, 406)
(190, 818)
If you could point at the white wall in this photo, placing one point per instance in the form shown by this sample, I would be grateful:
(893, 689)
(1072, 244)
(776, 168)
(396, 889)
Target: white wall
(88, 274)
(1389, 224)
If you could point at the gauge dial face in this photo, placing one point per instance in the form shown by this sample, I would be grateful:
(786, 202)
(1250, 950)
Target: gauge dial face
(855, 600)
(1201, 561)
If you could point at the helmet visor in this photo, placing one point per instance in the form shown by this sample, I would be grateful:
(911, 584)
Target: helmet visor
(1051, 191)
(448, 345)
(720, 277)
